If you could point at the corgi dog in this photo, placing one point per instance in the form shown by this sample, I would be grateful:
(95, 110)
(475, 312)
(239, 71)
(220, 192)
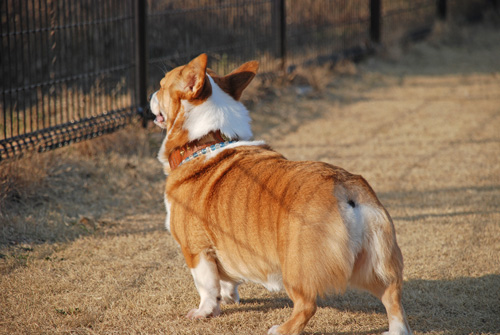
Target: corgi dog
(242, 212)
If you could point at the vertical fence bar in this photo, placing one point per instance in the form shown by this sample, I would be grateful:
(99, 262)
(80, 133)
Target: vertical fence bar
(375, 20)
(279, 23)
(4, 65)
(441, 9)
(283, 33)
(141, 59)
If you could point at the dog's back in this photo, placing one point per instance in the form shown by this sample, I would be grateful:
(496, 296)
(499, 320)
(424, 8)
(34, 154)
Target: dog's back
(266, 216)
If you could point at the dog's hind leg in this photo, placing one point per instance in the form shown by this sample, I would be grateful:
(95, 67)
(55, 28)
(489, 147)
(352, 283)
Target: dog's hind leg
(378, 269)
(207, 281)
(303, 309)
(391, 298)
(390, 295)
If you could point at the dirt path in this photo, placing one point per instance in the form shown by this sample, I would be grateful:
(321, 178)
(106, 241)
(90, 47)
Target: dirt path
(421, 125)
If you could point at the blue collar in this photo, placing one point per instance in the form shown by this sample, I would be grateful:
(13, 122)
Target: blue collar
(206, 150)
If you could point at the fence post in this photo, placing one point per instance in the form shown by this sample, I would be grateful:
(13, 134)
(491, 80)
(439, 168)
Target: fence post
(283, 34)
(375, 20)
(141, 60)
(441, 9)
(279, 24)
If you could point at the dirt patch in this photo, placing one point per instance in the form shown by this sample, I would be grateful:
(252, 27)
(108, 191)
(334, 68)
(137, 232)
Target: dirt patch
(83, 250)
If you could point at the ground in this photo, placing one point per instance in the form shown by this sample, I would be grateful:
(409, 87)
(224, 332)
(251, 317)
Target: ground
(84, 250)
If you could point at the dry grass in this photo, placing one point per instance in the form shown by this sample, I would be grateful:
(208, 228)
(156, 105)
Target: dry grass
(61, 195)
(83, 249)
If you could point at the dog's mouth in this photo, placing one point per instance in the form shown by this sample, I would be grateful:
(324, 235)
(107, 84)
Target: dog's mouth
(160, 120)
(155, 108)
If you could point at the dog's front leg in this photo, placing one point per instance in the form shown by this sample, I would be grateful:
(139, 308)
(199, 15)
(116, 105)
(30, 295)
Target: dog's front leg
(207, 281)
(229, 290)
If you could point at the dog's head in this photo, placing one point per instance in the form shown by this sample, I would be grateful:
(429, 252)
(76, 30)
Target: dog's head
(194, 101)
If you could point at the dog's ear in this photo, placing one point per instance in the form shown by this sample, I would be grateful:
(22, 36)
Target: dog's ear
(235, 82)
(193, 77)
(211, 73)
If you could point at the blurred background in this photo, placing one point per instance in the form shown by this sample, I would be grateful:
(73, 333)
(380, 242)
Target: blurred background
(404, 92)
(74, 70)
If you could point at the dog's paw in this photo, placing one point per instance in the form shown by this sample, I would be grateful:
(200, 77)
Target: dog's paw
(398, 332)
(397, 327)
(229, 301)
(273, 331)
(230, 298)
(196, 313)
(229, 293)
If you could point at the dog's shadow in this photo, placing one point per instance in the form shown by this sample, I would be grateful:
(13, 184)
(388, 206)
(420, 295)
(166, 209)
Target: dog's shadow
(461, 305)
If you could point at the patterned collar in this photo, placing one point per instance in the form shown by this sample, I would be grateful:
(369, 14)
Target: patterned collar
(179, 154)
(206, 150)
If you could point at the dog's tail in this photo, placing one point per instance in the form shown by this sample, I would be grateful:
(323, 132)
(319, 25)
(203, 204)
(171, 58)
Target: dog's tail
(372, 235)
(346, 240)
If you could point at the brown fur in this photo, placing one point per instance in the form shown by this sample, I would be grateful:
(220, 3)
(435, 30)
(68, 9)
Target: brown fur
(254, 213)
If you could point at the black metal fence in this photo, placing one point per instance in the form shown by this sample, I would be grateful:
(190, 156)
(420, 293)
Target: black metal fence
(73, 70)
(66, 69)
